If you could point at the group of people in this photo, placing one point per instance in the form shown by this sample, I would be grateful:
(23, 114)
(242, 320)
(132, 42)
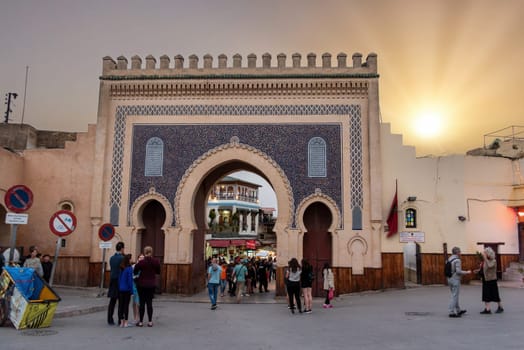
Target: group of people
(241, 277)
(299, 280)
(132, 281)
(488, 274)
(244, 274)
(42, 264)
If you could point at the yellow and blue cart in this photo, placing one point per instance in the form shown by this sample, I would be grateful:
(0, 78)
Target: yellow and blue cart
(26, 299)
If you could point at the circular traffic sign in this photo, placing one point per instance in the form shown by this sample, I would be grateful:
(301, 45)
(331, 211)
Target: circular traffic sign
(106, 232)
(18, 198)
(62, 223)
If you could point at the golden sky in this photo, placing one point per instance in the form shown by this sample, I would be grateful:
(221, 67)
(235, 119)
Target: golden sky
(455, 65)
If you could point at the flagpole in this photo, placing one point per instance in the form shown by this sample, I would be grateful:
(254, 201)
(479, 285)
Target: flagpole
(25, 90)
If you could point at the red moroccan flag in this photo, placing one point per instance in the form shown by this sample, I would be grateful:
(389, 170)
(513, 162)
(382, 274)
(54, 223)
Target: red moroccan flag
(393, 216)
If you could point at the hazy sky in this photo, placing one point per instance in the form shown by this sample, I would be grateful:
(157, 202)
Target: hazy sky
(457, 61)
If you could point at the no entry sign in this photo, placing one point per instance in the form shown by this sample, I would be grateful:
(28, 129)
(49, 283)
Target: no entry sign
(106, 232)
(62, 223)
(18, 198)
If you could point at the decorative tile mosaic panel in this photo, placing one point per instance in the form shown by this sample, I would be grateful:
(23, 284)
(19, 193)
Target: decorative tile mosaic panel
(285, 143)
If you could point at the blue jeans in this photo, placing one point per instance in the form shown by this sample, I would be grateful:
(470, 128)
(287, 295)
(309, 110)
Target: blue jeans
(223, 286)
(213, 292)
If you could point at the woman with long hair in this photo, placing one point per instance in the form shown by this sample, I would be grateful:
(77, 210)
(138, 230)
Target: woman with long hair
(293, 285)
(306, 282)
(329, 284)
(147, 269)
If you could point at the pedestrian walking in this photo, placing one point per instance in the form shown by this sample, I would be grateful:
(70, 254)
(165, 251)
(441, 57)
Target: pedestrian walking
(125, 290)
(454, 283)
(488, 275)
(293, 285)
(114, 275)
(223, 278)
(328, 284)
(306, 283)
(147, 270)
(239, 278)
(262, 276)
(213, 281)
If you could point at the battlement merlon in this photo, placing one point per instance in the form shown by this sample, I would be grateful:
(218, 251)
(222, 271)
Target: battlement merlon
(120, 70)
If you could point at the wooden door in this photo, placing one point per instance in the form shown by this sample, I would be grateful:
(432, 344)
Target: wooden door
(154, 217)
(317, 245)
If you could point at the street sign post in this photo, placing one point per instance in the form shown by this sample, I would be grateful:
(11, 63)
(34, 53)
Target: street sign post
(62, 223)
(106, 232)
(16, 219)
(18, 199)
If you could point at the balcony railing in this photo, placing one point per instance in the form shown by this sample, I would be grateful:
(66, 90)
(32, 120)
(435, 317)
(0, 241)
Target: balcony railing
(231, 196)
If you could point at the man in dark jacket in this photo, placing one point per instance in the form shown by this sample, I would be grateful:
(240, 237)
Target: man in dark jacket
(262, 276)
(112, 293)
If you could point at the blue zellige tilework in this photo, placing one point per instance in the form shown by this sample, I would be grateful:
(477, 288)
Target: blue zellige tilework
(284, 143)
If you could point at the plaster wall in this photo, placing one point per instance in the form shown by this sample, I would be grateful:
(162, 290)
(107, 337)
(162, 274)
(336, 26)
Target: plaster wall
(11, 174)
(56, 176)
(477, 188)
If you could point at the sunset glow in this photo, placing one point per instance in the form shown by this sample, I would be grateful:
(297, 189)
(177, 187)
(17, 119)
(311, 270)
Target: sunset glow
(428, 124)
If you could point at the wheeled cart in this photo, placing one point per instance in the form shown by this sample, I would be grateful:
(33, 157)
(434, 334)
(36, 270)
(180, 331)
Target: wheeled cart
(26, 299)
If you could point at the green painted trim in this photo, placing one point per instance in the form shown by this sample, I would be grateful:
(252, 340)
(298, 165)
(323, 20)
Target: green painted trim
(241, 76)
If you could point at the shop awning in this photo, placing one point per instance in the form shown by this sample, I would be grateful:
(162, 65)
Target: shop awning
(219, 243)
(248, 243)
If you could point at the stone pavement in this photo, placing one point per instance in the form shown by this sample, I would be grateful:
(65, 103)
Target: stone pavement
(407, 319)
(79, 301)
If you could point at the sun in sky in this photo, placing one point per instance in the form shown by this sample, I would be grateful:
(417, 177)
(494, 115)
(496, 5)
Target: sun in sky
(428, 124)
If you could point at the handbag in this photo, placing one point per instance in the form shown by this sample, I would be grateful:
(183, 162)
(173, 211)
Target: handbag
(331, 294)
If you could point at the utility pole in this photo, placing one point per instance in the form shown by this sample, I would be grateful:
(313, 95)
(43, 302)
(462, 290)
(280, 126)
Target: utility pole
(8, 100)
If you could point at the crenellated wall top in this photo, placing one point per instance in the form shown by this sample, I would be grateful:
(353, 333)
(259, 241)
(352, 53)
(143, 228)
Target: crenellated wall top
(267, 67)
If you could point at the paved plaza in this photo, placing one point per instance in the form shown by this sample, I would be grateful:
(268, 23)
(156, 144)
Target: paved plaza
(413, 318)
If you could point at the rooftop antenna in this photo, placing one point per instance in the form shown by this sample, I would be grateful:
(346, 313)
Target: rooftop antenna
(25, 90)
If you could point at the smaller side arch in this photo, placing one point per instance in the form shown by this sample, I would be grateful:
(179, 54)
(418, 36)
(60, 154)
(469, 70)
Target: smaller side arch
(357, 249)
(318, 196)
(135, 215)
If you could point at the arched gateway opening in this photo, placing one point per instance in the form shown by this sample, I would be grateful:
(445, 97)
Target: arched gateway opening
(191, 201)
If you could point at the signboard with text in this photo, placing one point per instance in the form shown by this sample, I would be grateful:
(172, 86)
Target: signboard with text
(412, 236)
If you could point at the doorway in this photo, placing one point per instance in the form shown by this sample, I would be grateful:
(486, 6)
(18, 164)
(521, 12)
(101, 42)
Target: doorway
(521, 241)
(317, 244)
(154, 216)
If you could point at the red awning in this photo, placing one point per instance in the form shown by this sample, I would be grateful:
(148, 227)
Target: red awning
(219, 243)
(238, 242)
(248, 243)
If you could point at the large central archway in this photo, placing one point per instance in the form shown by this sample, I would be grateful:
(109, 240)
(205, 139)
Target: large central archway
(185, 255)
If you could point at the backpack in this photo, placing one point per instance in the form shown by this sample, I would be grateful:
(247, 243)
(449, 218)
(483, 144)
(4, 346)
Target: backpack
(448, 269)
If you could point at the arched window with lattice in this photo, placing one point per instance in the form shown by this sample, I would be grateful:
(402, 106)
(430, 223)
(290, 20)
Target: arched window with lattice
(411, 218)
(154, 157)
(316, 166)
